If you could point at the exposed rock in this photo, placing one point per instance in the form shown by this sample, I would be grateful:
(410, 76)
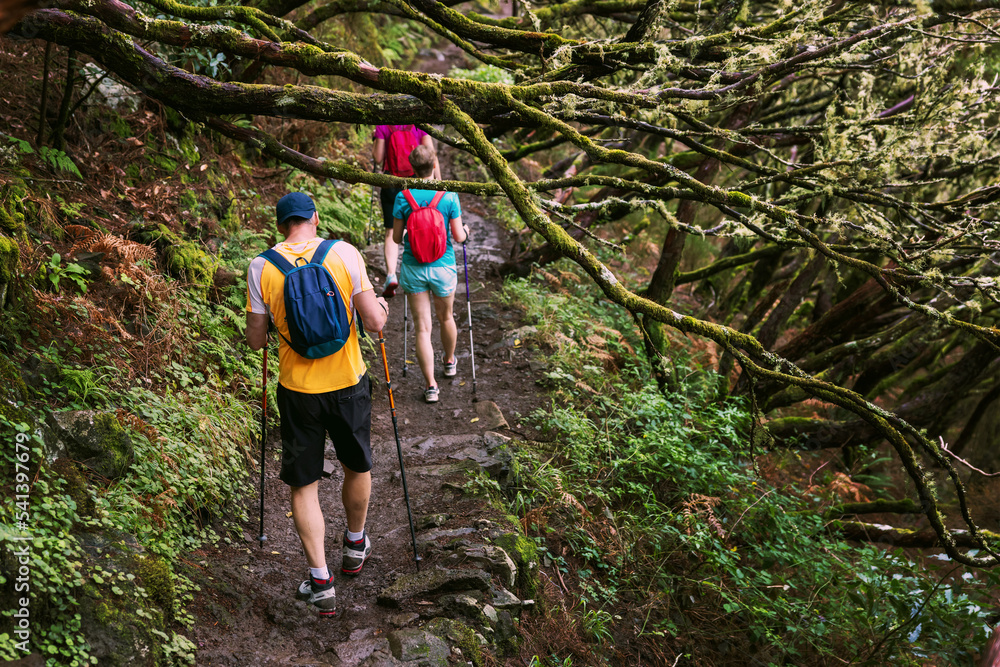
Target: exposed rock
(119, 636)
(114, 542)
(461, 604)
(417, 646)
(524, 553)
(514, 339)
(504, 599)
(402, 620)
(492, 440)
(537, 366)
(490, 416)
(440, 443)
(432, 581)
(358, 650)
(490, 557)
(444, 470)
(96, 439)
(432, 521)
(489, 463)
(506, 632)
(431, 536)
(461, 635)
(381, 658)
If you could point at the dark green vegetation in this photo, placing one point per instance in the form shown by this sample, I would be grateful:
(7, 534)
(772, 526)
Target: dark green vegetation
(664, 532)
(126, 394)
(801, 198)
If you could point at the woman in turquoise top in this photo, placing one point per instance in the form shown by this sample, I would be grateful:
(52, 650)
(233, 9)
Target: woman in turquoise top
(439, 277)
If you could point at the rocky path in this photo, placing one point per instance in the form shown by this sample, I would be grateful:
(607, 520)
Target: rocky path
(474, 570)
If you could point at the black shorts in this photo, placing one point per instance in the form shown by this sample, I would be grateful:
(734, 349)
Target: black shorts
(387, 197)
(346, 414)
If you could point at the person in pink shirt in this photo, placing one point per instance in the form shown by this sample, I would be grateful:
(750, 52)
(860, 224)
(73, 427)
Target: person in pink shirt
(393, 144)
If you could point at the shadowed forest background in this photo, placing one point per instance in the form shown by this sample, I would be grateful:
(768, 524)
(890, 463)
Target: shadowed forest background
(753, 247)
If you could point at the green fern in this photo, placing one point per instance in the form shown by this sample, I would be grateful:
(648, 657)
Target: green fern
(59, 160)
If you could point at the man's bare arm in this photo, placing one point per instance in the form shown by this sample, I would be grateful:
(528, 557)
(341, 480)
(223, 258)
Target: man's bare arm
(256, 330)
(373, 310)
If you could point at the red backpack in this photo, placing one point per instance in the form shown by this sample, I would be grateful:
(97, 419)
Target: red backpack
(425, 229)
(397, 155)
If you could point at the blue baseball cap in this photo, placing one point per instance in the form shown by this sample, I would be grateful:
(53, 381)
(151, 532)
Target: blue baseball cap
(294, 204)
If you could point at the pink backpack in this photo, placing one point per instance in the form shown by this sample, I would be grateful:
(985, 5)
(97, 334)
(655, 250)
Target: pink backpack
(425, 230)
(397, 155)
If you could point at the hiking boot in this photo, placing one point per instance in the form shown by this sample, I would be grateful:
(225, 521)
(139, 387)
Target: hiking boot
(391, 285)
(320, 593)
(431, 394)
(355, 554)
(451, 368)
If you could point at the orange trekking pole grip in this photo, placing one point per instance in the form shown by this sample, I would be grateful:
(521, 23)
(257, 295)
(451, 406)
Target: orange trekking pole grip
(399, 448)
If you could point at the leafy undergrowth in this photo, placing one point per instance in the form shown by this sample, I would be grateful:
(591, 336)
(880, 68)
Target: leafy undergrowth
(121, 283)
(662, 536)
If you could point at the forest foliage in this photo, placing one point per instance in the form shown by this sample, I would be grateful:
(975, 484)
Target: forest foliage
(806, 193)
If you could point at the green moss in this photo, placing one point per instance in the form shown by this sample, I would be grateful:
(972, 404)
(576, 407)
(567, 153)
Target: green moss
(230, 217)
(12, 391)
(460, 635)
(175, 121)
(189, 150)
(120, 636)
(186, 260)
(75, 486)
(133, 172)
(10, 259)
(158, 581)
(121, 127)
(524, 553)
(162, 162)
(188, 201)
(215, 177)
(12, 204)
(111, 437)
(103, 614)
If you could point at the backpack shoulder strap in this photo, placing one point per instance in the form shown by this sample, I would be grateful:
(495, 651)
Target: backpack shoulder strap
(437, 199)
(319, 255)
(411, 200)
(277, 260)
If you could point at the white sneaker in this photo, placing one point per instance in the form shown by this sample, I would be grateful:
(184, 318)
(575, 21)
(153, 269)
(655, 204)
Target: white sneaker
(431, 394)
(319, 593)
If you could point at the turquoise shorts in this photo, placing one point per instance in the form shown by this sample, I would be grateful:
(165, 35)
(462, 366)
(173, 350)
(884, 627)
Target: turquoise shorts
(441, 280)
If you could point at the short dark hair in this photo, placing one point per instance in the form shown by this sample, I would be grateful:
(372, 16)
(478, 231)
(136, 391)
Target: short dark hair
(293, 220)
(422, 160)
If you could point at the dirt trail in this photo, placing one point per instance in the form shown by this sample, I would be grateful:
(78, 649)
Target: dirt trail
(246, 613)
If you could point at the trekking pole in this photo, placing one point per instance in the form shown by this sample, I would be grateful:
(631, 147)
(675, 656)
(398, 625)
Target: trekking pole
(404, 335)
(468, 309)
(263, 433)
(399, 449)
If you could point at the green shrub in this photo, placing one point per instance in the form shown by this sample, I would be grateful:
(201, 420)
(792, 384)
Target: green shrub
(658, 500)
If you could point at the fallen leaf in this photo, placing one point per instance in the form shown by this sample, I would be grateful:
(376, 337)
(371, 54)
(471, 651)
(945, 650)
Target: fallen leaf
(275, 553)
(289, 515)
(517, 341)
(408, 361)
(203, 167)
(462, 383)
(474, 420)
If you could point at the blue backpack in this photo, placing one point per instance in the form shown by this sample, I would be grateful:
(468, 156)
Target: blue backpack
(315, 311)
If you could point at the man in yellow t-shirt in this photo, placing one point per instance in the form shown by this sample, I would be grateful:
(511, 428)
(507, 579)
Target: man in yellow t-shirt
(319, 396)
